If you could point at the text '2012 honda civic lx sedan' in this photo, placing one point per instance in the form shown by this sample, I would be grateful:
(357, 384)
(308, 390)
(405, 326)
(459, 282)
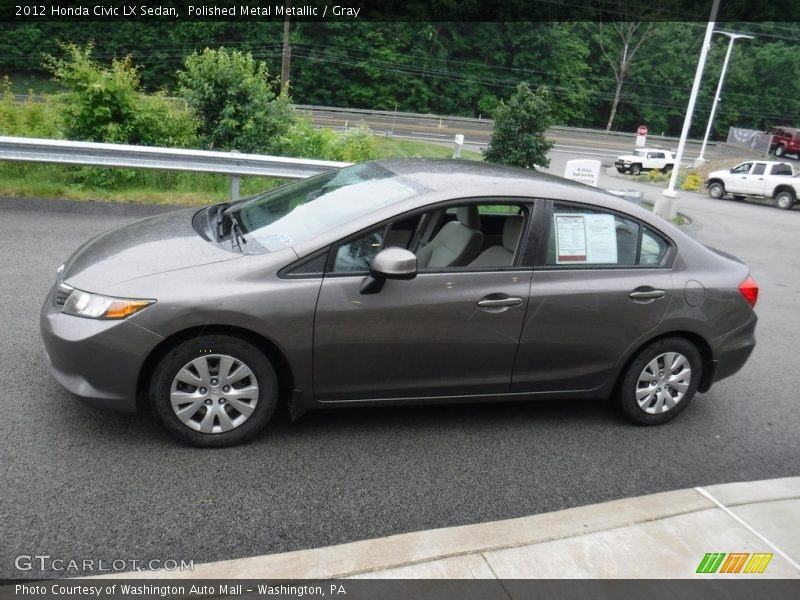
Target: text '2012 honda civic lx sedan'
(391, 282)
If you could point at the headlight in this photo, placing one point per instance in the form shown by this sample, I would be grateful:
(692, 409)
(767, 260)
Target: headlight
(95, 306)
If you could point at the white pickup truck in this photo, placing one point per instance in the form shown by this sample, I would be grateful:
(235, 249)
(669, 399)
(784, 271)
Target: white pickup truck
(645, 159)
(765, 179)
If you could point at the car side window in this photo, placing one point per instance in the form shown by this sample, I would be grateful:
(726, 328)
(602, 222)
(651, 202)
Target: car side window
(653, 248)
(759, 169)
(595, 238)
(356, 255)
(743, 168)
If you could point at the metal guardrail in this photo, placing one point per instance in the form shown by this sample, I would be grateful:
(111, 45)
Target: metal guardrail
(233, 164)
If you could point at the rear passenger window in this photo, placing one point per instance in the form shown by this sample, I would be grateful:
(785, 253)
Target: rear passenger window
(596, 238)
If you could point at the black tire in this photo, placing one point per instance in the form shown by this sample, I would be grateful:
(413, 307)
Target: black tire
(785, 200)
(210, 345)
(636, 169)
(630, 380)
(716, 190)
(780, 151)
(667, 169)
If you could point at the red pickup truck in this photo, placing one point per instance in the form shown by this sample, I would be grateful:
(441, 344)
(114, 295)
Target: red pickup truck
(785, 140)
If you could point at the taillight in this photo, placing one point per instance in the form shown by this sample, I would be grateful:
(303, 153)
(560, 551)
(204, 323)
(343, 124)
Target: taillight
(749, 289)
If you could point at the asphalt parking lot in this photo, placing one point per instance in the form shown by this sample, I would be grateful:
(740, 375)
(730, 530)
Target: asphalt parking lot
(77, 483)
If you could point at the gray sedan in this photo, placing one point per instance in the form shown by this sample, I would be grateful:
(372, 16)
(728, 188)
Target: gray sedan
(394, 282)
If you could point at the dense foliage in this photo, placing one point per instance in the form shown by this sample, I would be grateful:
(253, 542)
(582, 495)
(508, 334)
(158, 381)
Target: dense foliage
(466, 68)
(107, 104)
(519, 125)
(232, 94)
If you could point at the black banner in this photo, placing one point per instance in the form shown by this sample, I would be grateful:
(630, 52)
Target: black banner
(383, 589)
(397, 10)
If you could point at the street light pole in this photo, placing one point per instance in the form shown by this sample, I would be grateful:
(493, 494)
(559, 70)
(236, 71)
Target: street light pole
(665, 206)
(733, 37)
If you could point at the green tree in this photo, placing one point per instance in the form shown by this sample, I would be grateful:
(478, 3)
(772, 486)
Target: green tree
(519, 125)
(233, 96)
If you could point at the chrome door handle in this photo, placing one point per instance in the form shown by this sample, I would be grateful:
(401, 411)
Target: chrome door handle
(500, 302)
(647, 294)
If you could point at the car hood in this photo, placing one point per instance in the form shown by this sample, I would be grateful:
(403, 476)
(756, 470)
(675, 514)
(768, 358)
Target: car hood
(720, 173)
(629, 157)
(158, 244)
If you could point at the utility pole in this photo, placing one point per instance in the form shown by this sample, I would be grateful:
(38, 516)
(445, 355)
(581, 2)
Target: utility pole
(666, 205)
(733, 37)
(286, 53)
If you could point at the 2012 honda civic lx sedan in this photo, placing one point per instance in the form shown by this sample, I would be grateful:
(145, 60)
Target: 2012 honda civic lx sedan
(390, 282)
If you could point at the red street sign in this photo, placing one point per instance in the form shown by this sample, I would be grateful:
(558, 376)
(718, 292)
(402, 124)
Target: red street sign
(642, 130)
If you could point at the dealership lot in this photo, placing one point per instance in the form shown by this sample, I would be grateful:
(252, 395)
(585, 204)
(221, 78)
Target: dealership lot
(82, 484)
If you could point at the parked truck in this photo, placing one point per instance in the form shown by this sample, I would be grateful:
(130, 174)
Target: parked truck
(764, 179)
(645, 159)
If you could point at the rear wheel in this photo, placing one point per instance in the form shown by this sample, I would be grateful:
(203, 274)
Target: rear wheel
(661, 381)
(636, 169)
(785, 200)
(667, 169)
(716, 190)
(214, 391)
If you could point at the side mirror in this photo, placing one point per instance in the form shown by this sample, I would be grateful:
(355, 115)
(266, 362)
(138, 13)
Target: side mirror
(391, 263)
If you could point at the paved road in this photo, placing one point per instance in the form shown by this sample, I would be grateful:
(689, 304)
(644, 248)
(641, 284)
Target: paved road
(76, 483)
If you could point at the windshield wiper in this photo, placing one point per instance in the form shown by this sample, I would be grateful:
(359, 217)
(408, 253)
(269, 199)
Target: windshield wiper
(223, 214)
(237, 237)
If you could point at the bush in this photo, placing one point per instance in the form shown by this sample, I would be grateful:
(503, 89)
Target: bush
(107, 105)
(354, 145)
(691, 182)
(519, 125)
(29, 118)
(232, 94)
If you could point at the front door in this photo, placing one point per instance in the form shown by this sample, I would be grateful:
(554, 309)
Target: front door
(453, 330)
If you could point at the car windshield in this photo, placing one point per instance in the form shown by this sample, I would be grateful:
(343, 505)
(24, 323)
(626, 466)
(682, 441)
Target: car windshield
(295, 213)
(638, 153)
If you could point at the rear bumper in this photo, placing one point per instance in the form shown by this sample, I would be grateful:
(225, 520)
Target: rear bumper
(731, 351)
(97, 361)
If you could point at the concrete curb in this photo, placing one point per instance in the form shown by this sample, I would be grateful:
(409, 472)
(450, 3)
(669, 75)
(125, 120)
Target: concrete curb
(471, 545)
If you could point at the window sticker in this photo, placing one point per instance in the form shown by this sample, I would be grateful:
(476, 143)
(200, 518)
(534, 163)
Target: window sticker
(585, 239)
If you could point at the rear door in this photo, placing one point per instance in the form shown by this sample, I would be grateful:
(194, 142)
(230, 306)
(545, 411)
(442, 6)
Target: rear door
(602, 284)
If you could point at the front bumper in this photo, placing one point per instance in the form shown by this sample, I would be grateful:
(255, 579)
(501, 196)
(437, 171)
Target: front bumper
(96, 360)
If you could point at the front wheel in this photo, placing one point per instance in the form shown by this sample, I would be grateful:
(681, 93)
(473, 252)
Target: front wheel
(785, 200)
(636, 169)
(214, 390)
(661, 381)
(780, 151)
(716, 190)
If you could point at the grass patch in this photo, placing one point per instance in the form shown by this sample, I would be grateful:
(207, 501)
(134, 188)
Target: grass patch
(392, 147)
(122, 185)
(163, 187)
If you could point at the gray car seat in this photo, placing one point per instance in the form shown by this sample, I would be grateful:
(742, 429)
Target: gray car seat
(456, 244)
(502, 256)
